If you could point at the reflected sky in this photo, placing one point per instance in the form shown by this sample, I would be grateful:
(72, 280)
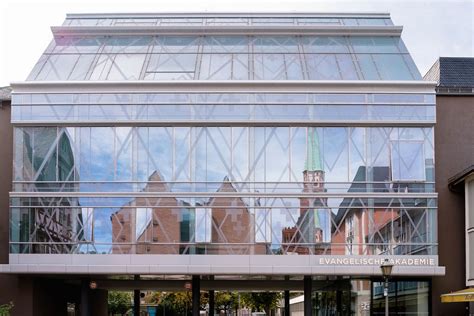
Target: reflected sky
(115, 157)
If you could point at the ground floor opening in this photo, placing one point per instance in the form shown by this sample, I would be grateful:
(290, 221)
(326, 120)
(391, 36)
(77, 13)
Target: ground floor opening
(256, 296)
(223, 295)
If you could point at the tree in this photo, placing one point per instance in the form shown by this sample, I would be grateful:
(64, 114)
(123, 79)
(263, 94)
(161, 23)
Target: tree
(226, 301)
(119, 302)
(5, 309)
(261, 301)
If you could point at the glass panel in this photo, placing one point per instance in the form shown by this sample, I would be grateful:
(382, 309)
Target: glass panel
(226, 44)
(405, 298)
(375, 44)
(392, 67)
(143, 220)
(367, 66)
(171, 66)
(269, 67)
(325, 44)
(346, 67)
(82, 67)
(77, 45)
(176, 44)
(126, 67)
(263, 225)
(275, 44)
(203, 225)
(322, 67)
(408, 161)
(240, 67)
(127, 45)
(58, 67)
(36, 69)
(216, 67)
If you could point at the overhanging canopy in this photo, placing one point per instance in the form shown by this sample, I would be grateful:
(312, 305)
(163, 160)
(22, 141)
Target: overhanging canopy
(466, 295)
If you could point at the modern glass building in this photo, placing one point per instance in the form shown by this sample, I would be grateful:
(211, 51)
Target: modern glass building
(246, 151)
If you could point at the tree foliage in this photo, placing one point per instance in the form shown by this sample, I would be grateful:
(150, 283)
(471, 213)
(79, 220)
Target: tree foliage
(5, 309)
(119, 302)
(226, 301)
(179, 303)
(261, 301)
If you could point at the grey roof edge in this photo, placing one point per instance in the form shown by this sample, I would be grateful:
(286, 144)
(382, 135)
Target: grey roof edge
(368, 14)
(458, 178)
(5, 93)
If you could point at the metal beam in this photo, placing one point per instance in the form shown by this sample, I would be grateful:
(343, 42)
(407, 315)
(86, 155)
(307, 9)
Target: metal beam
(362, 195)
(220, 122)
(217, 285)
(227, 86)
(326, 30)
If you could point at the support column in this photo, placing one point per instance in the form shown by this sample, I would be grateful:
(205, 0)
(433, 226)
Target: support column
(338, 302)
(196, 288)
(308, 289)
(136, 299)
(211, 303)
(85, 308)
(287, 303)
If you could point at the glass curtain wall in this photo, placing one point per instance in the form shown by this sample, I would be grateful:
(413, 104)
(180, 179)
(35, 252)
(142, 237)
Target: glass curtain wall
(118, 58)
(169, 177)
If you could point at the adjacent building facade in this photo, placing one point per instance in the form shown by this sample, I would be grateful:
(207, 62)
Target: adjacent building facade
(454, 141)
(265, 151)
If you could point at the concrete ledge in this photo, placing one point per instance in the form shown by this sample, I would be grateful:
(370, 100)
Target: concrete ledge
(217, 264)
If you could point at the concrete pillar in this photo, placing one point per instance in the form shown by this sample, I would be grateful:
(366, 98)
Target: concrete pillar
(196, 291)
(211, 303)
(338, 302)
(308, 289)
(85, 308)
(136, 299)
(98, 302)
(287, 303)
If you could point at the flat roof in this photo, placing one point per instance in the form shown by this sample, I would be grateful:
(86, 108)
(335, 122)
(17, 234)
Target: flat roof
(229, 14)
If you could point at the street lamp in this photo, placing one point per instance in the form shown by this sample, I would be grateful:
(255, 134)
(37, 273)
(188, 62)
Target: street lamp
(386, 268)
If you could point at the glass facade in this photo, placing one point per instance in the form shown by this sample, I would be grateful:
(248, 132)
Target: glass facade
(233, 57)
(230, 172)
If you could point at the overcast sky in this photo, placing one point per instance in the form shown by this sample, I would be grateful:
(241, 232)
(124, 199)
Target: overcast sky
(432, 28)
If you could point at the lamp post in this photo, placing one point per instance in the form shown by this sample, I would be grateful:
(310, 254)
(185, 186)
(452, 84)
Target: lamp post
(386, 268)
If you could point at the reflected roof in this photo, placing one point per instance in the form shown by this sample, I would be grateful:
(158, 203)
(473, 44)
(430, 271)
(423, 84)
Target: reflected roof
(99, 53)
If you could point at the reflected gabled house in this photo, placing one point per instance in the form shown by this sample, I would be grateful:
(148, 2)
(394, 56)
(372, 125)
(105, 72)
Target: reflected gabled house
(233, 225)
(166, 225)
(153, 222)
(381, 225)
